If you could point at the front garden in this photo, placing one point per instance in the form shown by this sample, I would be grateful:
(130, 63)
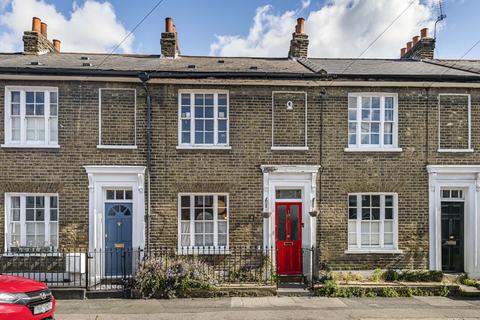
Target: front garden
(392, 283)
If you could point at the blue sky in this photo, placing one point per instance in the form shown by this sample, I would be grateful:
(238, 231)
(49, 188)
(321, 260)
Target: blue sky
(199, 22)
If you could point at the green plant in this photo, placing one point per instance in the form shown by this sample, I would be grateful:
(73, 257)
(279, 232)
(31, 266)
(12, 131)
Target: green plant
(157, 277)
(377, 275)
(389, 292)
(421, 276)
(470, 282)
(444, 291)
(413, 276)
(329, 289)
(391, 275)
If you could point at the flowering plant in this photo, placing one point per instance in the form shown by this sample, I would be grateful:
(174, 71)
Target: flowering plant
(171, 278)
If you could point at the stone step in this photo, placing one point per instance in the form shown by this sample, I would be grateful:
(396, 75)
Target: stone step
(469, 291)
(293, 292)
(454, 277)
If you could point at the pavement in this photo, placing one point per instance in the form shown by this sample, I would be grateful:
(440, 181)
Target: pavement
(278, 308)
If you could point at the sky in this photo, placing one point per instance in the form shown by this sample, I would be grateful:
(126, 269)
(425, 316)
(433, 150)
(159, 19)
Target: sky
(336, 28)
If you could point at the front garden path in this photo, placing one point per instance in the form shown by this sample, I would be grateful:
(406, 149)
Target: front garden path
(427, 308)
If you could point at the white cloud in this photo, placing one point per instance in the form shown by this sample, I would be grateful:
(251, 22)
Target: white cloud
(341, 28)
(305, 3)
(91, 27)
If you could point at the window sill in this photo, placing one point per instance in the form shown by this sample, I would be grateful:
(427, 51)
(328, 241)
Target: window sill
(204, 147)
(289, 148)
(368, 251)
(374, 149)
(113, 147)
(30, 146)
(203, 251)
(455, 150)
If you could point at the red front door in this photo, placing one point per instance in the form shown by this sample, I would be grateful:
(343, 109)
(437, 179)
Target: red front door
(288, 235)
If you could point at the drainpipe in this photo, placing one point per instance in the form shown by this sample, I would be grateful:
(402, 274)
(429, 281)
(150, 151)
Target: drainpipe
(144, 77)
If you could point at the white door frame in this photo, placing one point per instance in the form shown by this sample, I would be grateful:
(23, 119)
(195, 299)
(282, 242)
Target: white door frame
(466, 177)
(302, 177)
(99, 179)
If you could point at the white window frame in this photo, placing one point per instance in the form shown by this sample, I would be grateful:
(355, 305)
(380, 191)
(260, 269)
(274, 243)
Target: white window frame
(381, 248)
(469, 107)
(192, 144)
(106, 146)
(381, 147)
(192, 249)
(23, 228)
(23, 143)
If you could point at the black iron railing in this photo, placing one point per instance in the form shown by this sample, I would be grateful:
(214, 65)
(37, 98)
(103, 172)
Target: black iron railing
(112, 269)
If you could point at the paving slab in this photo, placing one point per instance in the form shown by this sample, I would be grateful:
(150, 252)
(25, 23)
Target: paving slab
(318, 302)
(443, 302)
(263, 308)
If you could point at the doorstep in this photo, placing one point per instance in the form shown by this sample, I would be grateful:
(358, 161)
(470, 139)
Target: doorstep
(469, 291)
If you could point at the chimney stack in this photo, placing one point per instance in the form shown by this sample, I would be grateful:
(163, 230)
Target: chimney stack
(36, 41)
(421, 47)
(169, 40)
(299, 42)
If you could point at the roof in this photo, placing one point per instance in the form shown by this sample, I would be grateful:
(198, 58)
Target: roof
(202, 66)
(384, 68)
(466, 65)
(137, 63)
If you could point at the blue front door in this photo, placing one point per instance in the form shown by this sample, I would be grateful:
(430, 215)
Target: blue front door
(118, 238)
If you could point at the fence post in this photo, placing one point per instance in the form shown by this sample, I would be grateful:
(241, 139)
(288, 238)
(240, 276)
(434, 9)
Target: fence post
(313, 268)
(124, 267)
(87, 276)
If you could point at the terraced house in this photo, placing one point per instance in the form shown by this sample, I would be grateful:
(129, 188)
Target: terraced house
(370, 162)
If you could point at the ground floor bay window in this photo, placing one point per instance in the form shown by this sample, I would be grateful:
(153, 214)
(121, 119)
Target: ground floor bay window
(372, 222)
(31, 222)
(203, 221)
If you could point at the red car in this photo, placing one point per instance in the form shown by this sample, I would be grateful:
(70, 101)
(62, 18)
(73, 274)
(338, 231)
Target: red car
(25, 299)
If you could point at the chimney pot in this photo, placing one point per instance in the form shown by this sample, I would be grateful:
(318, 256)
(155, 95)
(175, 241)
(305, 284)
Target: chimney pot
(415, 40)
(409, 45)
(402, 52)
(36, 22)
(56, 44)
(300, 28)
(44, 29)
(169, 40)
(169, 26)
(424, 33)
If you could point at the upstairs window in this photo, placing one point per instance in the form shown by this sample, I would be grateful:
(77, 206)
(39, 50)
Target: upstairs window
(31, 117)
(203, 119)
(372, 121)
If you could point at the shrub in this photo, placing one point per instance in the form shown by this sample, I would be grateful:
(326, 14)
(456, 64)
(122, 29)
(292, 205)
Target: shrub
(444, 292)
(377, 275)
(421, 276)
(470, 282)
(391, 275)
(413, 276)
(329, 289)
(156, 277)
(389, 292)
